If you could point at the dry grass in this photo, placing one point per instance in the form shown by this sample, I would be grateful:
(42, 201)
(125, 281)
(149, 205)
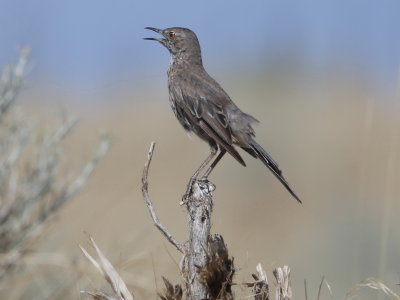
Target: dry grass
(117, 284)
(373, 284)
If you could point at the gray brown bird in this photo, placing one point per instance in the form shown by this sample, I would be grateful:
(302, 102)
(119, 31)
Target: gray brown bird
(203, 107)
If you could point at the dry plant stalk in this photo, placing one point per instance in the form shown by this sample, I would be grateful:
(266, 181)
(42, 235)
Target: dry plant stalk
(260, 288)
(283, 288)
(32, 187)
(117, 284)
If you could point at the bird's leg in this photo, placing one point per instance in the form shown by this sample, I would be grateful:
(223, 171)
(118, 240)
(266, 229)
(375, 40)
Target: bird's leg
(214, 151)
(214, 163)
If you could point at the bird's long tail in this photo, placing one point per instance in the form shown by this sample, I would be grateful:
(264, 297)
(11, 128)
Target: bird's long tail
(273, 166)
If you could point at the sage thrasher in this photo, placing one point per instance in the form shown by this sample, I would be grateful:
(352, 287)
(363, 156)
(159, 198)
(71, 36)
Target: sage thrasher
(203, 107)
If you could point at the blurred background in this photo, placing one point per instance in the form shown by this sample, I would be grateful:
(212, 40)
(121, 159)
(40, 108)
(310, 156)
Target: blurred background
(322, 77)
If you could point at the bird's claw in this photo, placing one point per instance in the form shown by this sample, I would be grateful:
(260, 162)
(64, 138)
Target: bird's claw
(206, 184)
(188, 193)
(203, 182)
(185, 199)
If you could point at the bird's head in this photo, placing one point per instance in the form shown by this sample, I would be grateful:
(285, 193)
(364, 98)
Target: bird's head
(182, 43)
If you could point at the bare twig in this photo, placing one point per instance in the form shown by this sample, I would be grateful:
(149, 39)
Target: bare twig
(150, 206)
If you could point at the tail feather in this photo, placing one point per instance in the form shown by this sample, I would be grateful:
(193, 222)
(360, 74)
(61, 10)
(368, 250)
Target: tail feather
(273, 166)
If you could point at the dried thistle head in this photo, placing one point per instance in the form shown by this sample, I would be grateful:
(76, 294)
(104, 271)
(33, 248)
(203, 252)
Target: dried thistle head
(218, 273)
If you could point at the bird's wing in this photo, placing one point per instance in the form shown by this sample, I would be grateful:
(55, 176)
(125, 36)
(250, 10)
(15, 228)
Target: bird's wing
(211, 113)
(208, 115)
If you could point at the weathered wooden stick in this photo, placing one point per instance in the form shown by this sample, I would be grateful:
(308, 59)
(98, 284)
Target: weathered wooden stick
(199, 207)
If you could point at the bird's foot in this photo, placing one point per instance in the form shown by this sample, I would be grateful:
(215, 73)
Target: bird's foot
(203, 183)
(204, 180)
(189, 190)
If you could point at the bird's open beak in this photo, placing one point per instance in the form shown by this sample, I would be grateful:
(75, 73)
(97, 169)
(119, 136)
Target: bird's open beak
(160, 40)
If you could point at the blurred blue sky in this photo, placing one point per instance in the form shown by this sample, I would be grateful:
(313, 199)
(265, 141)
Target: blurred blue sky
(92, 43)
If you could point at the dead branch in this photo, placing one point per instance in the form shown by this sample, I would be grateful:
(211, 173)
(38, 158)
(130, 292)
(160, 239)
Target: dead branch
(207, 268)
(150, 206)
(199, 207)
(206, 265)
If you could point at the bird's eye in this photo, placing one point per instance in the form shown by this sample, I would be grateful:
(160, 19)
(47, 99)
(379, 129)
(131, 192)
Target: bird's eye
(171, 35)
